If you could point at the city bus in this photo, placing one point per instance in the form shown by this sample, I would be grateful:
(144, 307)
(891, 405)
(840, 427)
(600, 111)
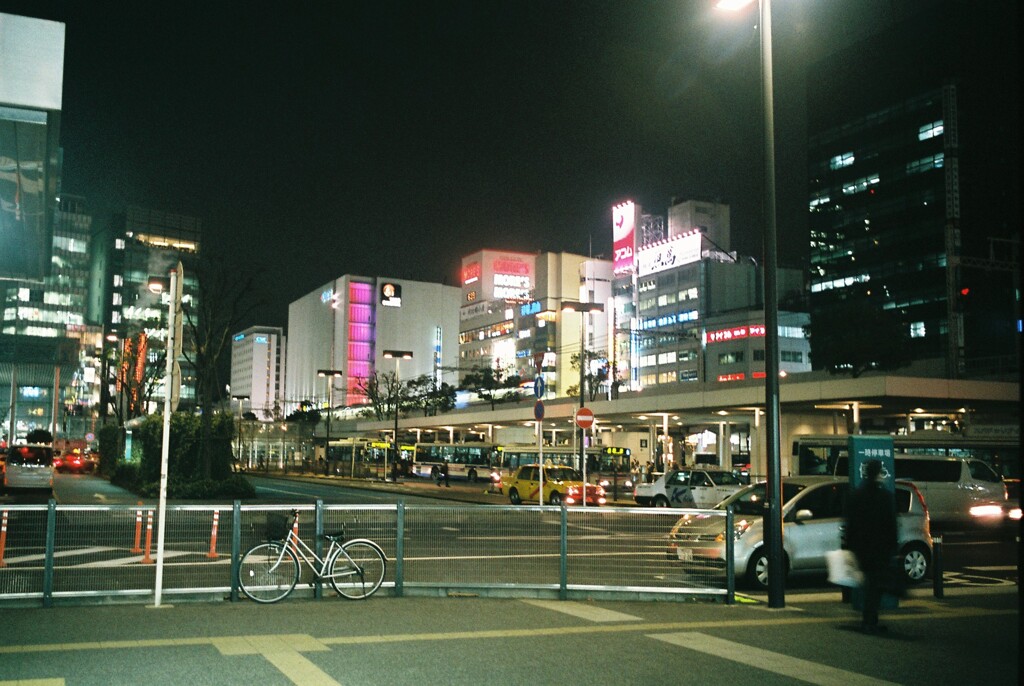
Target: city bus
(470, 461)
(359, 458)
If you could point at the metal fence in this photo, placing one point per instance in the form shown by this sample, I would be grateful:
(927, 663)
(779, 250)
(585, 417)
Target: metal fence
(56, 552)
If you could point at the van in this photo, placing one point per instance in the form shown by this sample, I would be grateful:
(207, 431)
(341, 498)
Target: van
(951, 485)
(29, 466)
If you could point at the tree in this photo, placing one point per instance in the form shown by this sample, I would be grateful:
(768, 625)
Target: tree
(39, 436)
(592, 379)
(854, 333)
(426, 395)
(487, 382)
(305, 414)
(224, 298)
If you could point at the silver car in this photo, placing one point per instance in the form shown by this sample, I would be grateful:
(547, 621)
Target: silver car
(812, 520)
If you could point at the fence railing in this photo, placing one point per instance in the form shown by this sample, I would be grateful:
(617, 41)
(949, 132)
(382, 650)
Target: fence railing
(74, 552)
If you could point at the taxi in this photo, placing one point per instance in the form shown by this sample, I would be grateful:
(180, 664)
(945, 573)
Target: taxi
(561, 485)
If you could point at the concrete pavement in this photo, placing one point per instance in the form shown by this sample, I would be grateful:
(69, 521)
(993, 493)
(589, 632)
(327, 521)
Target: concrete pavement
(385, 640)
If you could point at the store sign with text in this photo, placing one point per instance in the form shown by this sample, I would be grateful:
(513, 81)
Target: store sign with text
(675, 252)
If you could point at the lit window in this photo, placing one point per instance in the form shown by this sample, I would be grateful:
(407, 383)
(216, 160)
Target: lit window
(860, 184)
(840, 161)
(930, 130)
(917, 330)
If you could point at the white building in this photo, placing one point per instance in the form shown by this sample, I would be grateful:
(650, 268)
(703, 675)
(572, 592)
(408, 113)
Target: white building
(257, 369)
(346, 326)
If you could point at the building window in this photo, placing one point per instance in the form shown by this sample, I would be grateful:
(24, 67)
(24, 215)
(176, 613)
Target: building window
(917, 330)
(930, 130)
(730, 358)
(688, 375)
(926, 163)
(791, 356)
(667, 358)
(840, 161)
(860, 185)
(759, 356)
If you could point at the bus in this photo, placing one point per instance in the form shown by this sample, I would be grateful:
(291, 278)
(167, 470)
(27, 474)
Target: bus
(818, 454)
(360, 458)
(470, 461)
(608, 466)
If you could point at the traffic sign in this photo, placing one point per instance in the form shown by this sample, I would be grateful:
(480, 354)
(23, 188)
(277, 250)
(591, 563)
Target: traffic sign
(584, 418)
(538, 410)
(538, 386)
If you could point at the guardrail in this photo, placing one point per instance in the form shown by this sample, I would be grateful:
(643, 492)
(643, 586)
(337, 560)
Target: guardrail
(53, 552)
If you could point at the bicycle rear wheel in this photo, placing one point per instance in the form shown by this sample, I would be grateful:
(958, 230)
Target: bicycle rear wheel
(268, 572)
(363, 579)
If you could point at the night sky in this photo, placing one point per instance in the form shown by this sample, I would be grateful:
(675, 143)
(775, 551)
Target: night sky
(392, 138)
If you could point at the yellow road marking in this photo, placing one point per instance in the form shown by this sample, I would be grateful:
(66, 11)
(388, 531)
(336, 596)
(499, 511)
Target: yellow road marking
(793, 667)
(282, 651)
(34, 682)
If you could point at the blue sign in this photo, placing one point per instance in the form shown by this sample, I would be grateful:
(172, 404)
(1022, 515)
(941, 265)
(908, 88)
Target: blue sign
(538, 386)
(538, 410)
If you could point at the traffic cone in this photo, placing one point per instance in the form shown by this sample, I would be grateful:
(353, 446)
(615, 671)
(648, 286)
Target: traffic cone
(138, 532)
(295, 530)
(146, 559)
(3, 537)
(213, 536)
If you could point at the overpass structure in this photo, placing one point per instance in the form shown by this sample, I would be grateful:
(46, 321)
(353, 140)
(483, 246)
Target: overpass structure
(732, 414)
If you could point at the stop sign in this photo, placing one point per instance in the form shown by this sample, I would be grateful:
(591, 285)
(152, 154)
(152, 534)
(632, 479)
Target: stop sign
(584, 418)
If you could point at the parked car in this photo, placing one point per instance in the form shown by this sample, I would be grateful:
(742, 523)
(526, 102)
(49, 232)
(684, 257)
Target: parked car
(29, 466)
(561, 484)
(812, 520)
(689, 487)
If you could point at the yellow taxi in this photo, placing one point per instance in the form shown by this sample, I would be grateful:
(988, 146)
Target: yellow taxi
(561, 485)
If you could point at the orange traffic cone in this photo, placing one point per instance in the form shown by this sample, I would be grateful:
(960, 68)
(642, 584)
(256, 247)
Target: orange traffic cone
(146, 559)
(213, 536)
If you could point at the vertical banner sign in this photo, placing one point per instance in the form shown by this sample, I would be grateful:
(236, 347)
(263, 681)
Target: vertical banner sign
(862, 450)
(623, 237)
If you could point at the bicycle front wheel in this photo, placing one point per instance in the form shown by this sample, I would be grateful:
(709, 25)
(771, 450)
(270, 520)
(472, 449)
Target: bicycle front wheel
(357, 570)
(268, 572)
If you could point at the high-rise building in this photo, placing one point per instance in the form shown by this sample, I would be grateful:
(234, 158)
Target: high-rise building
(914, 161)
(144, 244)
(348, 324)
(257, 370)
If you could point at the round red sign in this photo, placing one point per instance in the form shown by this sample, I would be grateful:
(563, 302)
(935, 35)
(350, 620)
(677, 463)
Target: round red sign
(584, 418)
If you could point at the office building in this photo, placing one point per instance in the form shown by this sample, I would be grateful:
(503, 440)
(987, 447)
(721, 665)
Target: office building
(257, 371)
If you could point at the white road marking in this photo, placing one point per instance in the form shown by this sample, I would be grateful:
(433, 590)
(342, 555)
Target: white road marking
(793, 667)
(591, 613)
(62, 553)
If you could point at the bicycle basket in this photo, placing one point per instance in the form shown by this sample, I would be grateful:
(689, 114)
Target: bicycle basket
(277, 526)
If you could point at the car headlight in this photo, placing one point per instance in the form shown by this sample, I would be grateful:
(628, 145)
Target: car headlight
(739, 527)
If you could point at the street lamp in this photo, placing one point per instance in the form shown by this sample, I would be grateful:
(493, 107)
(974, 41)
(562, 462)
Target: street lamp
(171, 379)
(331, 375)
(773, 527)
(397, 356)
(109, 337)
(583, 308)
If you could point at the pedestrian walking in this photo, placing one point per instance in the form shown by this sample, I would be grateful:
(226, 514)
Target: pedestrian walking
(871, 536)
(443, 475)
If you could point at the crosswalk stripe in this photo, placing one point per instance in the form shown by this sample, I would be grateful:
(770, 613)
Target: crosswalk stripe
(582, 610)
(793, 667)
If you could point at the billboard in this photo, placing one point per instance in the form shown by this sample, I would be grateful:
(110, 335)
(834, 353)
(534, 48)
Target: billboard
(674, 252)
(623, 237)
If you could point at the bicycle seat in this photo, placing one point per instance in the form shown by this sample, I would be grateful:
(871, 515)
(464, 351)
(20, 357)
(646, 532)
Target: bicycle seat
(337, 535)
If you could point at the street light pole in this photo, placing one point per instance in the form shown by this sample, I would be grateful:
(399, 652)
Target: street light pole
(330, 375)
(773, 525)
(397, 356)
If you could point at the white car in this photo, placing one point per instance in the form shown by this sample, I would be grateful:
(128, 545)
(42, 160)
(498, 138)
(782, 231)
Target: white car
(29, 466)
(689, 487)
(812, 520)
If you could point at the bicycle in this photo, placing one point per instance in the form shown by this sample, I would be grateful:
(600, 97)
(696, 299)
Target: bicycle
(269, 571)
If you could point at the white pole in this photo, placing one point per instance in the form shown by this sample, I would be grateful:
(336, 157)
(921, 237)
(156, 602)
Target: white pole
(166, 443)
(540, 459)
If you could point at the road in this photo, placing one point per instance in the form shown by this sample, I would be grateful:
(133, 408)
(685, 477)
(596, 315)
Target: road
(969, 559)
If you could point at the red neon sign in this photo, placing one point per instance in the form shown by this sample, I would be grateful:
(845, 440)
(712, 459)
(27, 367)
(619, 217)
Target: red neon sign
(736, 333)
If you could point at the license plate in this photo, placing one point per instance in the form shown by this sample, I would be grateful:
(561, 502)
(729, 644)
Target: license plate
(685, 554)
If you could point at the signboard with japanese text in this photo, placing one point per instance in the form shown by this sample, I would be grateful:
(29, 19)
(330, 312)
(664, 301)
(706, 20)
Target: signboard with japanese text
(623, 237)
(674, 252)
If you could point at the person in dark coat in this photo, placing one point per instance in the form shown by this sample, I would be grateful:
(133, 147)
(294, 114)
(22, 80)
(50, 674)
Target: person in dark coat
(443, 475)
(871, 535)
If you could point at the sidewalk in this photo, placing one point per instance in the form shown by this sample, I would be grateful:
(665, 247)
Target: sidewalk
(469, 641)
